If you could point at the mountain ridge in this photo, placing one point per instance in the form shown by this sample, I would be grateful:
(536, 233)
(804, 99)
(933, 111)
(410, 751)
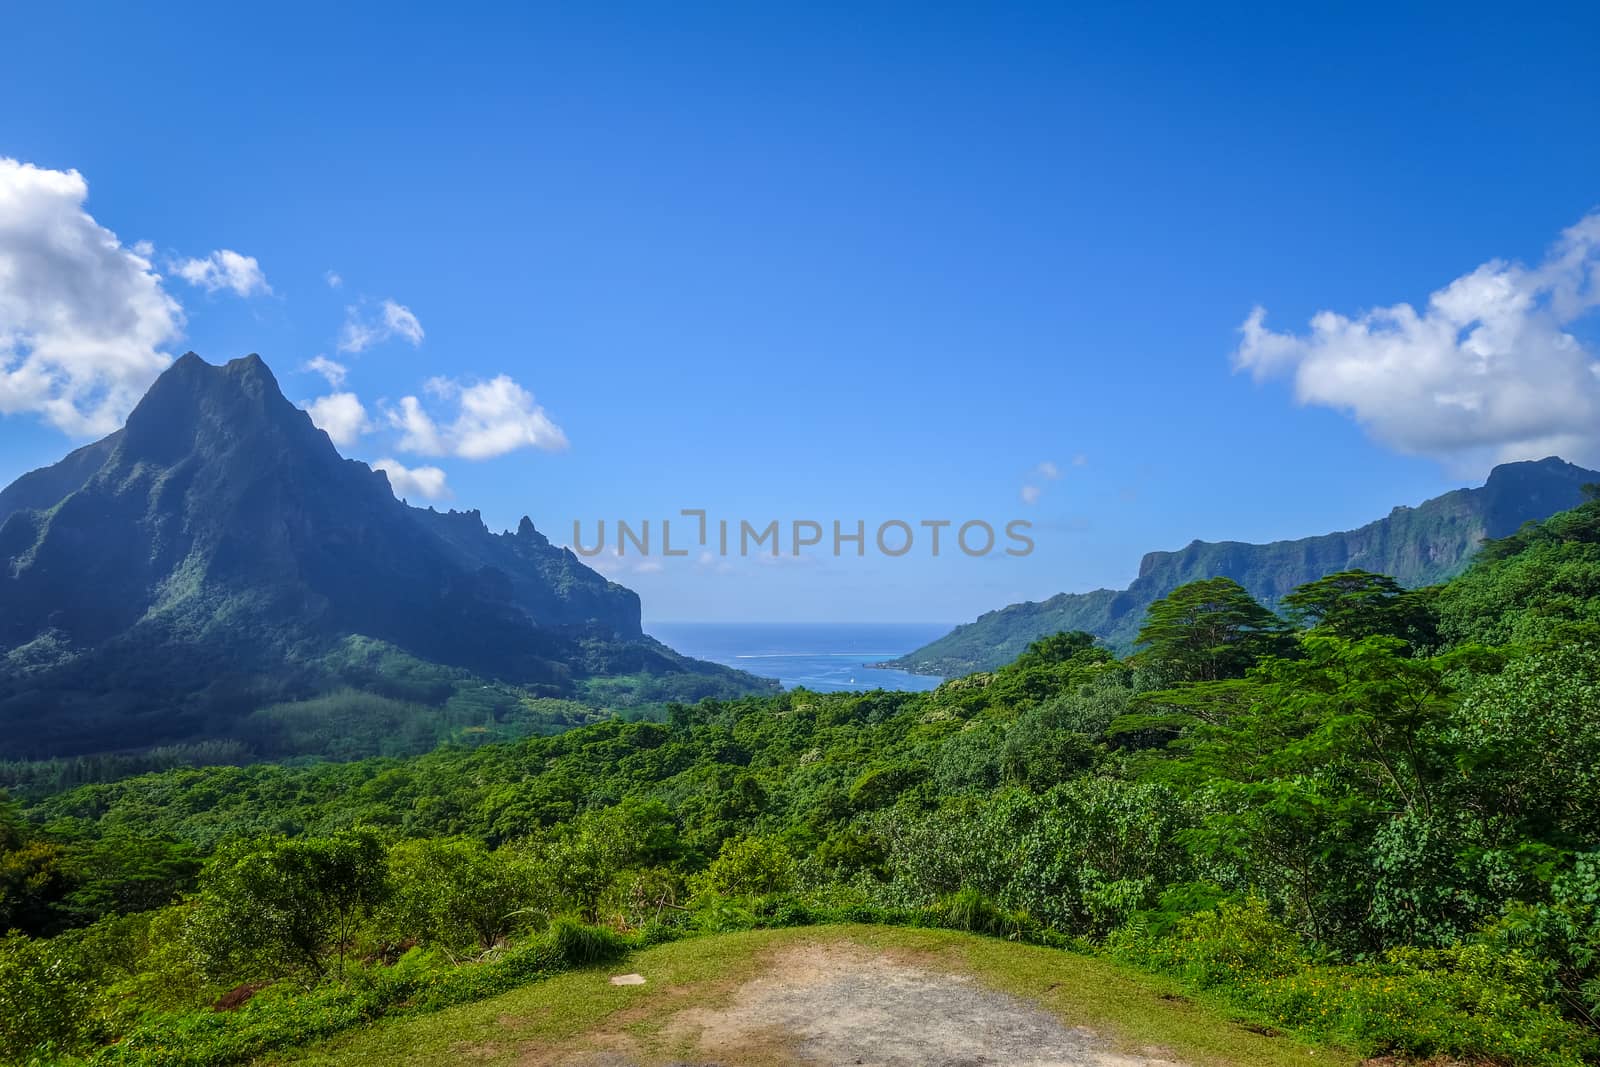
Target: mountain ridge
(1418, 545)
(192, 563)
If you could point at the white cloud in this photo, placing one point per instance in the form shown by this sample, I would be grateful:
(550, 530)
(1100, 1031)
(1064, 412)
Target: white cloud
(333, 372)
(83, 319)
(334, 279)
(341, 416)
(499, 416)
(1487, 371)
(224, 269)
(1080, 460)
(427, 483)
(711, 561)
(607, 562)
(1046, 471)
(614, 564)
(418, 433)
(492, 418)
(363, 328)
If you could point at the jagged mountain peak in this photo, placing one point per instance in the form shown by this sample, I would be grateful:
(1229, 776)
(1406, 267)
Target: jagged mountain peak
(220, 531)
(199, 405)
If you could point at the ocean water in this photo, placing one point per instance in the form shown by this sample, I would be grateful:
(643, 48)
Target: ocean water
(823, 657)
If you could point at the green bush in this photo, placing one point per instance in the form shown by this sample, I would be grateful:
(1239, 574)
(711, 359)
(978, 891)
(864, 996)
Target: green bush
(572, 944)
(784, 909)
(44, 1001)
(456, 893)
(1462, 1002)
(282, 1015)
(750, 866)
(968, 909)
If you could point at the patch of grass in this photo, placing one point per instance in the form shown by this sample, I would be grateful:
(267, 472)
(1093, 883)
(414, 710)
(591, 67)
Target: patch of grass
(1134, 1011)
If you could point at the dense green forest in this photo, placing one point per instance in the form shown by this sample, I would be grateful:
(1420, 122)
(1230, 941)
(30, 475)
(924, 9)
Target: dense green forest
(368, 698)
(1372, 819)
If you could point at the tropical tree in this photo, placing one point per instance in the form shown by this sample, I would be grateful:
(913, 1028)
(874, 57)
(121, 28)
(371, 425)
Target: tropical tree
(34, 876)
(750, 865)
(1354, 604)
(44, 1000)
(1058, 648)
(122, 873)
(1313, 759)
(1206, 631)
(456, 892)
(281, 905)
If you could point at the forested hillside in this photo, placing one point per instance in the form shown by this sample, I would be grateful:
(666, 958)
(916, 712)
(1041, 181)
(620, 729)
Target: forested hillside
(215, 572)
(1417, 546)
(1373, 820)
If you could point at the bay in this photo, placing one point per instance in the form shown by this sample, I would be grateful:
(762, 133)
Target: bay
(823, 657)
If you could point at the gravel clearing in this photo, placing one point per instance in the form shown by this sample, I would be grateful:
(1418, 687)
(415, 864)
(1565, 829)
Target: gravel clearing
(839, 1003)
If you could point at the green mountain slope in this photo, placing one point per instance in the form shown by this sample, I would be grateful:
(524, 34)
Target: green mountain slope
(1418, 546)
(217, 554)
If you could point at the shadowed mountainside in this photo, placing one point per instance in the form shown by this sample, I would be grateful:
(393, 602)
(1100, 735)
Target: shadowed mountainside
(213, 553)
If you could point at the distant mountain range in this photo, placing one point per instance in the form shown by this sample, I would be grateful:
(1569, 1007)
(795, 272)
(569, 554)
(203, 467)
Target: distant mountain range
(1417, 546)
(217, 553)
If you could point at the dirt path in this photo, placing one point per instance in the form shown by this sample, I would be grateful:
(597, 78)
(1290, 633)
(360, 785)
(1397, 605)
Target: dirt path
(841, 1003)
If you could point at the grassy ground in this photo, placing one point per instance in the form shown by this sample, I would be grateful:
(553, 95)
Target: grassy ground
(544, 1022)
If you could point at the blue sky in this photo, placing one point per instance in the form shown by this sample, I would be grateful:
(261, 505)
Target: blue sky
(832, 262)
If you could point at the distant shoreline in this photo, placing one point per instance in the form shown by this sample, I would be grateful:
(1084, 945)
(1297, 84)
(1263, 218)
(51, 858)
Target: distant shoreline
(891, 665)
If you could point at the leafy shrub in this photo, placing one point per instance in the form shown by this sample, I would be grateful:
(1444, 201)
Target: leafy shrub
(1081, 857)
(44, 1001)
(280, 906)
(282, 1016)
(1561, 936)
(968, 909)
(1460, 1002)
(750, 866)
(572, 944)
(456, 893)
(783, 909)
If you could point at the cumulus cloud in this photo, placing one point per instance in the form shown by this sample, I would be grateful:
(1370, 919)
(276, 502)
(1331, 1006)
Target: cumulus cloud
(1488, 370)
(333, 279)
(341, 416)
(491, 419)
(224, 269)
(428, 483)
(83, 319)
(418, 432)
(332, 371)
(1032, 490)
(365, 327)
